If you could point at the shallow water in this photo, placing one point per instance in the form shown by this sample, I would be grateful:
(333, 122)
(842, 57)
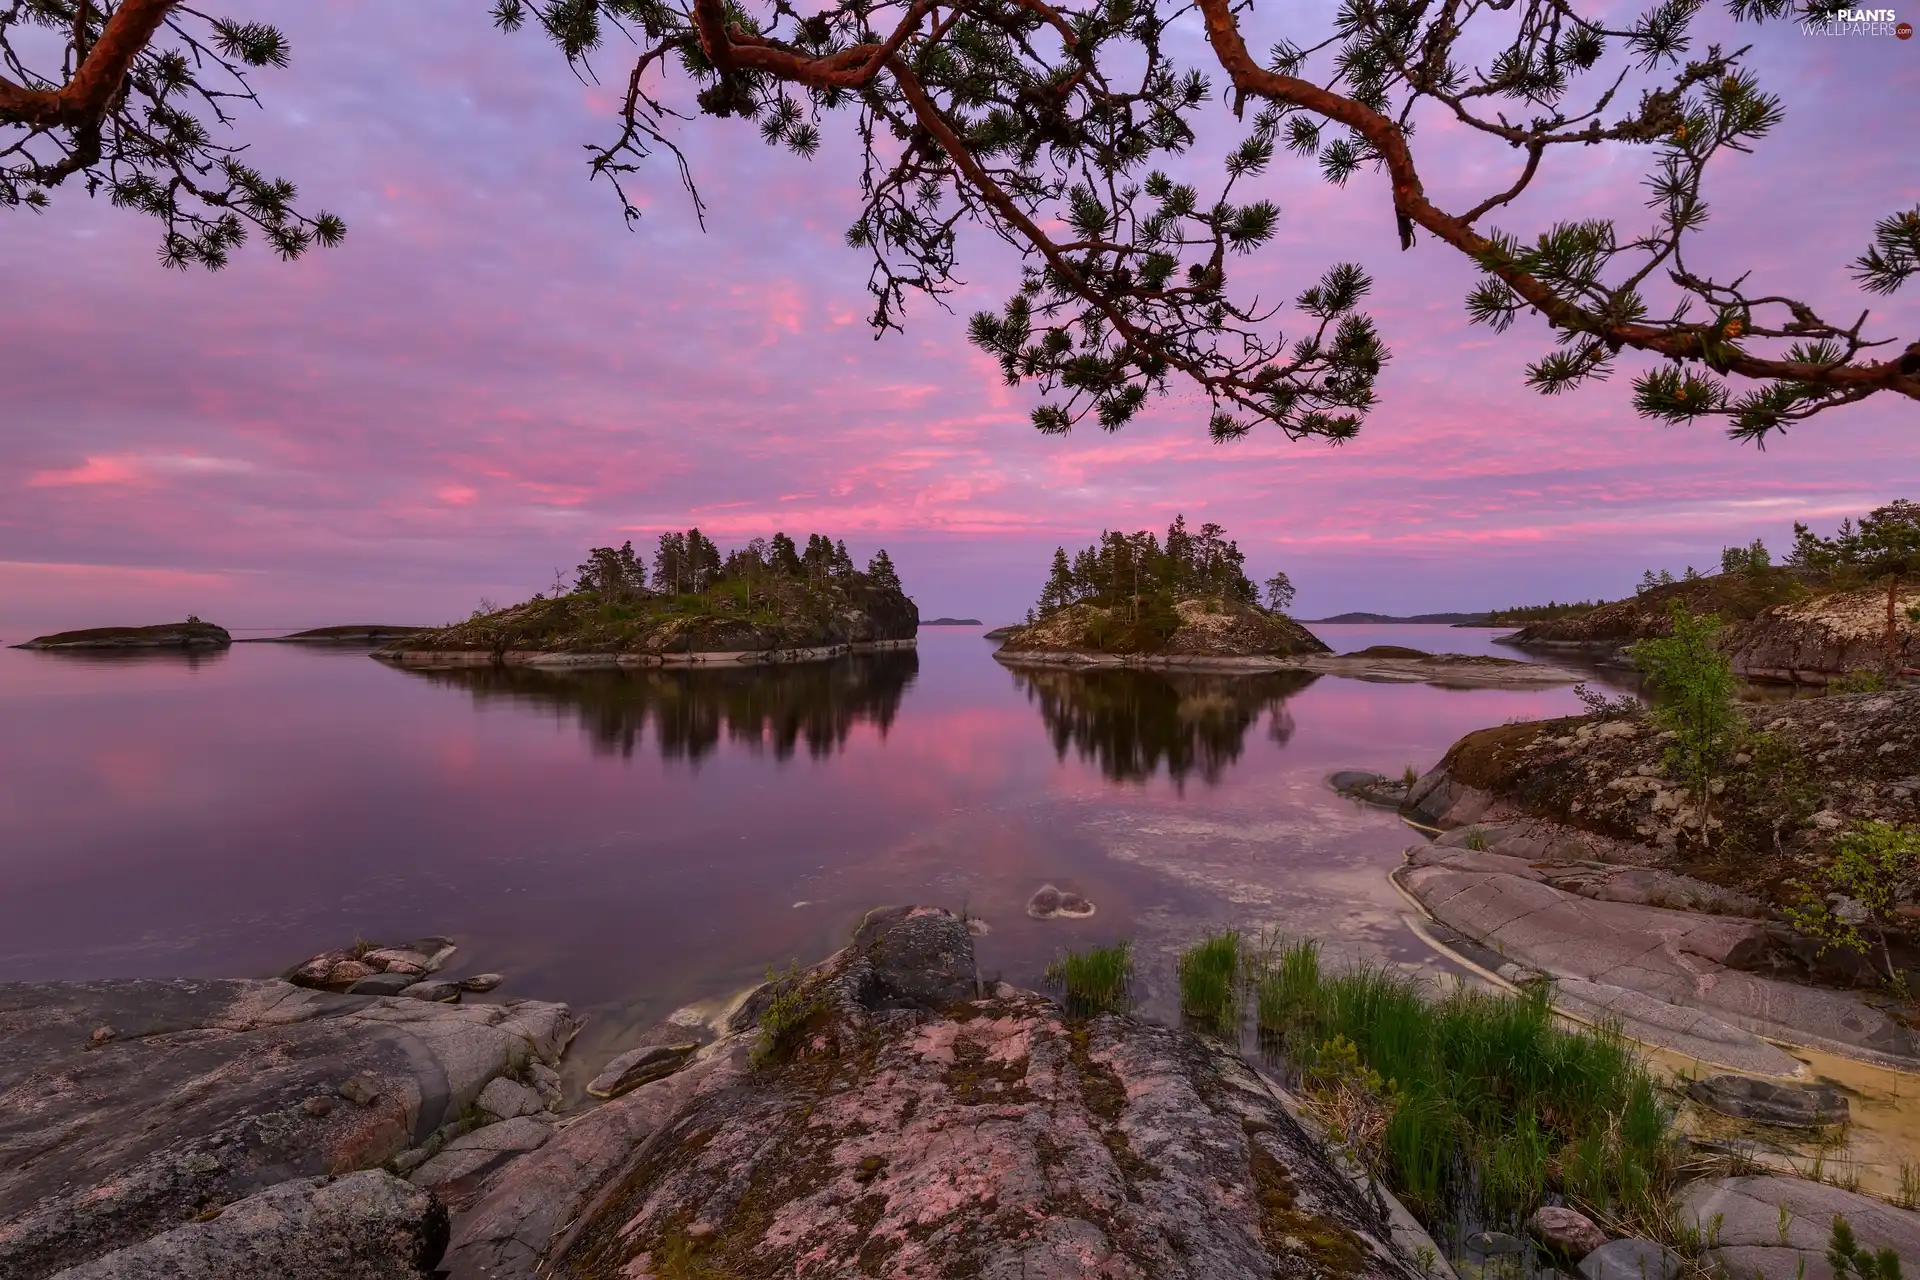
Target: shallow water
(634, 842)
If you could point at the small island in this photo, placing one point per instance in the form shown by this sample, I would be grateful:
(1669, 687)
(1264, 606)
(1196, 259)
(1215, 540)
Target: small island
(769, 601)
(344, 633)
(191, 634)
(951, 622)
(1132, 600)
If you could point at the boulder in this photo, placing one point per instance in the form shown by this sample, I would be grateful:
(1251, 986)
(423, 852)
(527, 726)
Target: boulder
(481, 982)
(475, 1154)
(1778, 1228)
(1792, 1106)
(439, 991)
(1631, 1260)
(364, 1226)
(958, 1136)
(638, 1066)
(1565, 1231)
(918, 956)
(383, 984)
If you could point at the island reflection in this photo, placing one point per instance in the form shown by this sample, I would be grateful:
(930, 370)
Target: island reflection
(777, 708)
(1132, 723)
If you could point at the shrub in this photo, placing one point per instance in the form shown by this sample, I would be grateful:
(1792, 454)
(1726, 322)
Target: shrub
(1876, 867)
(791, 1004)
(1694, 682)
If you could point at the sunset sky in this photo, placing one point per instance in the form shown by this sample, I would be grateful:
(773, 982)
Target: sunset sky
(493, 373)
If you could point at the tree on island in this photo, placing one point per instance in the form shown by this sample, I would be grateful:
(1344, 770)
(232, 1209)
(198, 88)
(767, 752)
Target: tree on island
(689, 563)
(1885, 544)
(1055, 128)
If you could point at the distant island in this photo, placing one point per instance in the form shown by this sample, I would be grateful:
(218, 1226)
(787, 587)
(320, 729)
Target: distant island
(1446, 619)
(769, 601)
(191, 634)
(345, 633)
(1132, 600)
(951, 622)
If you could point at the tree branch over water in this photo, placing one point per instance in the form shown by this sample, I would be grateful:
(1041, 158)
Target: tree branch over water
(1072, 132)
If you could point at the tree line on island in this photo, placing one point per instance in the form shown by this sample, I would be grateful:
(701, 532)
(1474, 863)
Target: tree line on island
(1133, 570)
(690, 564)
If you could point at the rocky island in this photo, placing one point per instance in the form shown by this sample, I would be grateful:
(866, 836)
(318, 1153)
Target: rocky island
(768, 601)
(191, 634)
(1129, 600)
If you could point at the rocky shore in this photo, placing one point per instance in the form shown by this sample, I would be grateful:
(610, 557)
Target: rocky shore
(1778, 630)
(191, 634)
(1565, 850)
(883, 1113)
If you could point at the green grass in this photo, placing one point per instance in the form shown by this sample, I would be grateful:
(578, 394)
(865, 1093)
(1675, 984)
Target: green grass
(1492, 1103)
(791, 1003)
(1099, 980)
(1210, 982)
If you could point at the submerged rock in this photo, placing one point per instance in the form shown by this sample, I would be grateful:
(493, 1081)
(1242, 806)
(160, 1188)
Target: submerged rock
(364, 1226)
(1372, 788)
(639, 1066)
(1769, 1102)
(891, 1122)
(1050, 902)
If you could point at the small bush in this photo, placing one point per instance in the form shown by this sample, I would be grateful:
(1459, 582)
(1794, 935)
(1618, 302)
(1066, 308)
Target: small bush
(1210, 981)
(1876, 868)
(1099, 980)
(791, 1004)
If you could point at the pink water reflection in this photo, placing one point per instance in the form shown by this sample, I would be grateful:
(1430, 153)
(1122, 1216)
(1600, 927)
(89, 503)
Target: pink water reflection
(636, 848)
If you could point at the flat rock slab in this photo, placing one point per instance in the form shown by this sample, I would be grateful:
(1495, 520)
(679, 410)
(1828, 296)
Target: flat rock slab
(128, 1108)
(639, 1066)
(1678, 957)
(905, 1132)
(1769, 1228)
(364, 1226)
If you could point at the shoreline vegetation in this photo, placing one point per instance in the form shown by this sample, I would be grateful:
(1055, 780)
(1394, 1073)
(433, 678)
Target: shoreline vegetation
(769, 601)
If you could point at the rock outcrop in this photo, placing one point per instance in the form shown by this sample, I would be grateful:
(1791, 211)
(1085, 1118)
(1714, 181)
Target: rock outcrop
(1779, 628)
(129, 1109)
(191, 634)
(364, 1226)
(1216, 631)
(885, 1116)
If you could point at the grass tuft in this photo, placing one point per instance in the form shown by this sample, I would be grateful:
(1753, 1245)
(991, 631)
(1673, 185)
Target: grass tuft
(1210, 982)
(1099, 980)
(1477, 1099)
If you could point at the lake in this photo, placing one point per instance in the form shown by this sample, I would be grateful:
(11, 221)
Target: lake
(633, 842)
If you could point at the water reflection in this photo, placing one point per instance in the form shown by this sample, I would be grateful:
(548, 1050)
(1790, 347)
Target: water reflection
(1132, 723)
(772, 707)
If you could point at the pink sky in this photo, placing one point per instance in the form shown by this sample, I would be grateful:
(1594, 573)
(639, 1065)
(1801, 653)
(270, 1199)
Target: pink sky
(493, 374)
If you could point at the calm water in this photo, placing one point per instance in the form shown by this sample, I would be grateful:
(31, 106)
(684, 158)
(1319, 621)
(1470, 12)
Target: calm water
(631, 843)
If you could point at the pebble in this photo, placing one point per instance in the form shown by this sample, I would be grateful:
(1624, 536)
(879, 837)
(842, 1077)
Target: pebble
(101, 1035)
